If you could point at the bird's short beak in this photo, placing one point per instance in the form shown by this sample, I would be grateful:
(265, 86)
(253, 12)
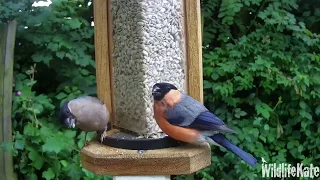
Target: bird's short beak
(155, 89)
(71, 122)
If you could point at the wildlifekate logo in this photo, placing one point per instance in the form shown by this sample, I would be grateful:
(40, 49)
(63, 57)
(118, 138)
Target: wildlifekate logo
(285, 170)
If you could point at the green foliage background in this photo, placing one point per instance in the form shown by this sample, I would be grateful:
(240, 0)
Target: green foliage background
(261, 64)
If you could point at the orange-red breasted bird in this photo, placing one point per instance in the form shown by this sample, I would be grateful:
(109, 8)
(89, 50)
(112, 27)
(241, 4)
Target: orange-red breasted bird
(183, 118)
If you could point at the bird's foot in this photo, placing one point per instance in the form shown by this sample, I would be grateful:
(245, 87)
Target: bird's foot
(86, 143)
(103, 135)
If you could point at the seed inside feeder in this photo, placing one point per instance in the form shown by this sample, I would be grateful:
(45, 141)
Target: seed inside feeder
(123, 135)
(148, 47)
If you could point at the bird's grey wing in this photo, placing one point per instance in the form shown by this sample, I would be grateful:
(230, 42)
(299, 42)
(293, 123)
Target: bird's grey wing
(199, 117)
(209, 121)
(99, 111)
(186, 111)
(92, 99)
(93, 115)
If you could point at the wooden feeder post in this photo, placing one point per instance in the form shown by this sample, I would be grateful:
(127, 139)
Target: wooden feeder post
(139, 43)
(7, 41)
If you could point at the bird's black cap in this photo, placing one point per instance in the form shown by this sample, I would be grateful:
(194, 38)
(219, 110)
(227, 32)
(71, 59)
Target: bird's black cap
(159, 90)
(64, 113)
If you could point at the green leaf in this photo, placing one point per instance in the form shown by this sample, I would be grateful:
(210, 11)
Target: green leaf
(74, 23)
(47, 59)
(290, 145)
(84, 60)
(61, 95)
(239, 113)
(296, 134)
(60, 54)
(64, 163)
(56, 166)
(31, 83)
(305, 114)
(255, 132)
(42, 57)
(19, 144)
(207, 84)
(214, 76)
(263, 109)
(70, 133)
(279, 130)
(257, 121)
(271, 137)
(243, 113)
(53, 144)
(317, 111)
(46, 131)
(32, 176)
(266, 127)
(262, 138)
(53, 46)
(37, 57)
(48, 174)
(30, 130)
(308, 116)
(84, 72)
(303, 105)
(37, 159)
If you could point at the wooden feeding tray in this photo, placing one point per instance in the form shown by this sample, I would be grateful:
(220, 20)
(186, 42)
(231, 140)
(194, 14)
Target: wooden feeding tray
(183, 159)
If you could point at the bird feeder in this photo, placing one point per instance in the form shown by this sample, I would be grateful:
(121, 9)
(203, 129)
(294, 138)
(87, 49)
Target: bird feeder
(137, 44)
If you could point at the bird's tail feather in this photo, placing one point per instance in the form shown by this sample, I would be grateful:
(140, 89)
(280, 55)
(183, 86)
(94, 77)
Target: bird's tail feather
(223, 141)
(225, 128)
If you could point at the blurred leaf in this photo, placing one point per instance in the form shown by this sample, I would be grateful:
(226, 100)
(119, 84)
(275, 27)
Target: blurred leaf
(53, 144)
(37, 159)
(290, 145)
(74, 23)
(64, 163)
(61, 95)
(19, 144)
(263, 109)
(70, 133)
(48, 174)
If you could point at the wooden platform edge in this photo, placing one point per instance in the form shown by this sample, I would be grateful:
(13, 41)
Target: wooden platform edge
(101, 159)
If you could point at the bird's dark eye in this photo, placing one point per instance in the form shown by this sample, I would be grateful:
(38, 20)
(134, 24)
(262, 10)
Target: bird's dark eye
(67, 111)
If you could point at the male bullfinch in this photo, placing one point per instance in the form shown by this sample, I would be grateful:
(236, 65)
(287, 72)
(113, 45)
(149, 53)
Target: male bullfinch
(87, 113)
(186, 119)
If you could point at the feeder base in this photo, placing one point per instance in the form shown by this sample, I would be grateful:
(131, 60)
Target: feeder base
(128, 140)
(186, 159)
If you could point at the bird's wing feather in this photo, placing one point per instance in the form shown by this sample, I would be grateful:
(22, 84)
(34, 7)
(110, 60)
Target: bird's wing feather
(177, 121)
(223, 141)
(91, 98)
(209, 121)
(175, 132)
(91, 113)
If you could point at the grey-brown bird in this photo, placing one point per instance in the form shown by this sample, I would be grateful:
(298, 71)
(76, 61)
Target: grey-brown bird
(86, 113)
